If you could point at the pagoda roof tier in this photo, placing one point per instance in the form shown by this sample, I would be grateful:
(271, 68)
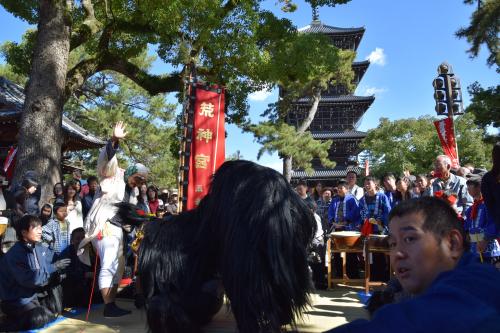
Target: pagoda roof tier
(11, 107)
(338, 99)
(337, 172)
(359, 68)
(318, 27)
(346, 135)
(335, 113)
(344, 38)
(364, 63)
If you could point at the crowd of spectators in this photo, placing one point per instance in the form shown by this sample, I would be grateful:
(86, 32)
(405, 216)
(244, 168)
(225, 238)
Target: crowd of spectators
(349, 207)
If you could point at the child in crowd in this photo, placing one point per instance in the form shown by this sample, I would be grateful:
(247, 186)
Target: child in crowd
(56, 235)
(46, 214)
(78, 274)
(480, 226)
(29, 281)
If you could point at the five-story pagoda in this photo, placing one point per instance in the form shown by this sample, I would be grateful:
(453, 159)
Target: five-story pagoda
(339, 112)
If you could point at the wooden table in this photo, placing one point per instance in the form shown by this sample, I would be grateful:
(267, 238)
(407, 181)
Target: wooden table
(364, 249)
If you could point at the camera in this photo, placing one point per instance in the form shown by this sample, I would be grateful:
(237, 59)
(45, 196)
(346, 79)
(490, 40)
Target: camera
(4, 182)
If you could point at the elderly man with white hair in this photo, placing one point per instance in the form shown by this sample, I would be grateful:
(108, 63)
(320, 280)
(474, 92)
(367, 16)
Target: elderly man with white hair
(450, 183)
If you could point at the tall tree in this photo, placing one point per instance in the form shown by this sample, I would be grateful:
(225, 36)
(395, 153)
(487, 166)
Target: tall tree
(222, 37)
(302, 67)
(484, 28)
(45, 95)
(485, 105)
(413, 144)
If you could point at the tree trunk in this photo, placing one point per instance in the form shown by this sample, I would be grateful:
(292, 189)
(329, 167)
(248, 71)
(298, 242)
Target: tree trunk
(287, 160)
(40, 130)
(287, 168)
(312, 112)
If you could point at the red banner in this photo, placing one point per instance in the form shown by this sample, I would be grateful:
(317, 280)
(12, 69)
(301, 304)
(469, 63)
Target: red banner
(447, 137)
(10, 163)
(367, 167)
(208, 142)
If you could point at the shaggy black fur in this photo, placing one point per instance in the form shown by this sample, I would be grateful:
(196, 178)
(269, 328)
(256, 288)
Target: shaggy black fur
(35, 315)
(248, 237)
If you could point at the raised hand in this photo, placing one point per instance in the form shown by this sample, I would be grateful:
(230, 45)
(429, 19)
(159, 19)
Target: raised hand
(119, 131)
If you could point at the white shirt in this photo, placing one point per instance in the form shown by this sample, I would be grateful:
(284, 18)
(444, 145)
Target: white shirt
(357, 192)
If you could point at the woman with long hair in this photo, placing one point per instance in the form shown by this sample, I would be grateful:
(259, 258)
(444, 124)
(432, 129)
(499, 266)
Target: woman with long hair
(153, 201)
(72, 200)
(490, 186)
(58, 192)
(403, 189)
(142, 199)
(317, 191)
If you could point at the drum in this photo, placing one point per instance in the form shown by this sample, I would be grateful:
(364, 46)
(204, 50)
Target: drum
(346, 239)
(378, 242)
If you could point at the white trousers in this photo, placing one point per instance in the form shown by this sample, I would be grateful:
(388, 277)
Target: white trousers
(110, 251)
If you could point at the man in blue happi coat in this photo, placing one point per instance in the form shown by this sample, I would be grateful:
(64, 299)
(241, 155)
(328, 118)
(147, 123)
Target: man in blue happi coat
(454, 293)
(480, 226)
(343, 213)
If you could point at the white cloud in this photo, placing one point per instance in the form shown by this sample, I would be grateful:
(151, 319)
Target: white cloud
(260, 95)
(377, 57)
(374, 91)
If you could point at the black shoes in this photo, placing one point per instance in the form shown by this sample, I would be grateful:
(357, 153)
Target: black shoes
(111, 310)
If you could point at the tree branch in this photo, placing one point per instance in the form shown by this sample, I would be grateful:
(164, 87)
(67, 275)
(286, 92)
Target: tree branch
(77, 76)
(153, 84)
(89, 27)
(312, 112)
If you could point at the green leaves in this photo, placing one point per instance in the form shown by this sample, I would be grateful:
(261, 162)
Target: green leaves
(413, 144)
(19, 55)
(484, 29)
(26, 10)
(283, 138)
(485, 105)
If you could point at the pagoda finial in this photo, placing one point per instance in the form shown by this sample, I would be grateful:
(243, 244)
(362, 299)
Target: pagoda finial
(315, 13)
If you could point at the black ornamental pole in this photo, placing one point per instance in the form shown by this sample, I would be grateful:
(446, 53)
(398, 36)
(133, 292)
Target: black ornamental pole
(187, 137)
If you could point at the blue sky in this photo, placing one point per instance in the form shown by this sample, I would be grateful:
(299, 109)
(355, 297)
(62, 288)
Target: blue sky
(407, 40)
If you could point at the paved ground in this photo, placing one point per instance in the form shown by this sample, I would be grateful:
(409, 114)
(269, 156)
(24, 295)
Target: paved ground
(329, 309)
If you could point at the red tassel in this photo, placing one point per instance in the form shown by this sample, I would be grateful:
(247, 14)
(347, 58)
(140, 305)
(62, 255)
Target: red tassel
(367, 228)
(438, 194)
(475, 208)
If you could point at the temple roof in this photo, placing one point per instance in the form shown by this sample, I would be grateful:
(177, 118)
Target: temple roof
(339, 135)
(11, 106)
(319, 27)
(363, 64)
(338, 172)
(339, 99)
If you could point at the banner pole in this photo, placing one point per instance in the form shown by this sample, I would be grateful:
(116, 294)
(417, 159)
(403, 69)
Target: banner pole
(187, 138)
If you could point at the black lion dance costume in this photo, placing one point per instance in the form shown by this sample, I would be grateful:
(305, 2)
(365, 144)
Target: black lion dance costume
(248, 238)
